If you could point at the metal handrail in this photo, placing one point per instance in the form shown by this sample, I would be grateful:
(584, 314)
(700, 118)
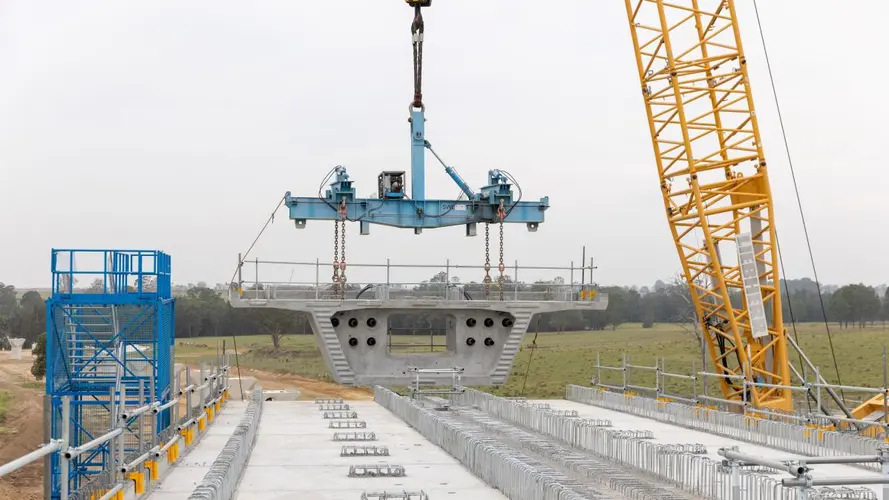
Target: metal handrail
(95, 443)
(104, 481)
(44, 450)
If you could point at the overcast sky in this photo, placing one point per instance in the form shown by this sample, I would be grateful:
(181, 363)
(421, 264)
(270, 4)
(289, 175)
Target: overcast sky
(179, 125)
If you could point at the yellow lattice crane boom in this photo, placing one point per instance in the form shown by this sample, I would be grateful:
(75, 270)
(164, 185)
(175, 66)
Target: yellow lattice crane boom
(715, 186)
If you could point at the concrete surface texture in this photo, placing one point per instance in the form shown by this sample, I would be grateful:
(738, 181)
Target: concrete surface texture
(671, 434)
(296, 458)
(187, 473)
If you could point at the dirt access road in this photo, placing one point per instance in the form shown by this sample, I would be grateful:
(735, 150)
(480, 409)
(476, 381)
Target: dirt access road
(309, 388)
(22, 431)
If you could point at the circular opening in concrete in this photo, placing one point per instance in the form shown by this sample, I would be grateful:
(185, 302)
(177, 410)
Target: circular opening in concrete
(335, 322)
(489, 322)
(470, 341)
(353, 322)
(507, 322)
(371, 322)
(371, 341)
(353, 341)
(470, 322)
(489, 341)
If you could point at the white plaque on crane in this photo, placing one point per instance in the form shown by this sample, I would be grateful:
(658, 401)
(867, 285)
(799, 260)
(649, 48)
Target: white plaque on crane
(759, 324)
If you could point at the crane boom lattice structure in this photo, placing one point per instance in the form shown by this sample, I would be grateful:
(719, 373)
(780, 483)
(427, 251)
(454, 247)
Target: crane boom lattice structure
(715, 185)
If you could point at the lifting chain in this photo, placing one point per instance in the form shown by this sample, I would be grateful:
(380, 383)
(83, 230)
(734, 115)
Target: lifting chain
(343, 211)
(336, 256)
(501, 214)
(487, 280)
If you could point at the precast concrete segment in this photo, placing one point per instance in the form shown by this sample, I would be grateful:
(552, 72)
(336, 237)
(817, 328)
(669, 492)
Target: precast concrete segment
(188, 471)
(353, 334)
(520, 477)
(221, 480)
(295, 457)
(671, 434)
(692, 473)
(586, 470)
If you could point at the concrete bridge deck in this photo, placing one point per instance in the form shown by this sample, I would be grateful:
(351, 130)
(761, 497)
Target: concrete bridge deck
(295, 457)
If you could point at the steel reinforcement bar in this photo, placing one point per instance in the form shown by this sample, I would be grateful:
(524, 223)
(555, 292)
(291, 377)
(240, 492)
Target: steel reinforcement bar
(490, 460)
(501, 467)
(221, 482)
(693, 473)
(785, 436)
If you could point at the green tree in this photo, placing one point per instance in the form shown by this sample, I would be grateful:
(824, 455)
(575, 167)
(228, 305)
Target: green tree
(38, 368)
(277, 323)
(856, 304)
(884, 316)
(616, 314)
(32, 316)
(8, 309)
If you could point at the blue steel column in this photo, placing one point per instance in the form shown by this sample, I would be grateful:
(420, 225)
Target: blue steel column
(418, 155)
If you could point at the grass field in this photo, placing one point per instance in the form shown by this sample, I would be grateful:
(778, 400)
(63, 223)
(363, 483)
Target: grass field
(569, 358)
(5, 400)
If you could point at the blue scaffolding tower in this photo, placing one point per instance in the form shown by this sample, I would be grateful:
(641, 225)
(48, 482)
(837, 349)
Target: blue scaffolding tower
(109, 331)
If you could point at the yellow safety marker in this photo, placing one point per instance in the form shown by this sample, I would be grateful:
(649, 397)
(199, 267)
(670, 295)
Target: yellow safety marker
(138, 479)
(151, 465)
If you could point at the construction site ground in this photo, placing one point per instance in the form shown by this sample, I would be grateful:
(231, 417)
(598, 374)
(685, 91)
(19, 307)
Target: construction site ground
(22, 431)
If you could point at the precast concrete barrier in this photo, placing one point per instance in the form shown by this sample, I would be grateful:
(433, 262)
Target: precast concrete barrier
(785, 436)
(221, 481)
(687, 471)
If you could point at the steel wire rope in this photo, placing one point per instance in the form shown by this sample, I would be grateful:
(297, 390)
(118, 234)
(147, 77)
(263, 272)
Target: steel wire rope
(798, 202)
(270, 220)
(531, 356)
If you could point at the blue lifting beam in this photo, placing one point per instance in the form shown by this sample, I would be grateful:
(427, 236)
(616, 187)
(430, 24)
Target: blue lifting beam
(496, 202)
(394, 208)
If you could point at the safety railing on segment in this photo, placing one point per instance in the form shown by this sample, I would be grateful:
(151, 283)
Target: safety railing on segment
(786, 436)
(222, 479)
(628, 385)
(134, 427)
(301, 281)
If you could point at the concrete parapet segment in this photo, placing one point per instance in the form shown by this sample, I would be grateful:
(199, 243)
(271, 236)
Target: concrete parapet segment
(221, 482)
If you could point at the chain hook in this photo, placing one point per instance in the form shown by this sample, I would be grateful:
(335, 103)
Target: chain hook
(418, 27)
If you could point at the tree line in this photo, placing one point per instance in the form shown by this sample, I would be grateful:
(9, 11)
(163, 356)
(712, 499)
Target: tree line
(203, 312)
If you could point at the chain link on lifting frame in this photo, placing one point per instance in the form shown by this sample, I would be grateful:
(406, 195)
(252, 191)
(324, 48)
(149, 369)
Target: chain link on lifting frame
(487, 280)
(339, 248)
(501, 215)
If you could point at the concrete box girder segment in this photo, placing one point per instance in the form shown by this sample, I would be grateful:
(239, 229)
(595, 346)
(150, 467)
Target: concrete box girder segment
(367, 360)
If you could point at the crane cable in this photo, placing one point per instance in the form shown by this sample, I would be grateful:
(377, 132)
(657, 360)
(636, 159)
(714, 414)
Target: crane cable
(417, 29)
(531, 356)
(270, 220)
(799, 204)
